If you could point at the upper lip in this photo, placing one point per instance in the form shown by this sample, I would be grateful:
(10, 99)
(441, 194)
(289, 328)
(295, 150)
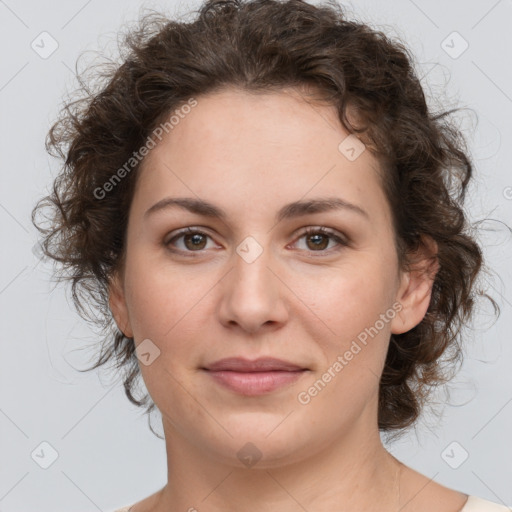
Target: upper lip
(262, 364)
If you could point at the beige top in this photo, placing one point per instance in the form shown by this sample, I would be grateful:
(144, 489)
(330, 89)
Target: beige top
(473, 504)
(476, 504)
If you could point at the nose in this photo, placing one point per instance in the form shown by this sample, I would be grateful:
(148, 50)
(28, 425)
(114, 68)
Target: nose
(253, 294)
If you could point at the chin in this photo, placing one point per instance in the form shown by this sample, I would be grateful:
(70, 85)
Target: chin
(263, 446)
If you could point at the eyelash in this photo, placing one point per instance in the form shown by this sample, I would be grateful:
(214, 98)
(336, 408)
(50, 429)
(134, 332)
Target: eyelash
(307, 232)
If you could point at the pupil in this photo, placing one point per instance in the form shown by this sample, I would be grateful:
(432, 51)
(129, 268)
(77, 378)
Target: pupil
(196, 239)
(317, 237)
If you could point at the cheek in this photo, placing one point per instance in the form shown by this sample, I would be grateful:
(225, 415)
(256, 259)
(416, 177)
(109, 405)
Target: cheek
(168, 308)
(352, 306)
(160, 297)
(352, 298)
(152, 310)
(353, 313)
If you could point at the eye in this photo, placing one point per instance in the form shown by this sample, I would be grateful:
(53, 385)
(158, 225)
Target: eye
(318, 239)
(193, 239)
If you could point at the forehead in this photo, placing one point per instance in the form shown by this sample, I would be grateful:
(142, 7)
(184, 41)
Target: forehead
(235, 146)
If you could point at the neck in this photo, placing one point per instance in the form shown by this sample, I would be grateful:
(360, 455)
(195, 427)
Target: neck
(355, 472)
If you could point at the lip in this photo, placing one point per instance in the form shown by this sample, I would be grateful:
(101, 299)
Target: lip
(262, 364)
(254, 377)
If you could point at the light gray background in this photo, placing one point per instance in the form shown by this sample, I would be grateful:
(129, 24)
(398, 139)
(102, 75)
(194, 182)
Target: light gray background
(107, 456)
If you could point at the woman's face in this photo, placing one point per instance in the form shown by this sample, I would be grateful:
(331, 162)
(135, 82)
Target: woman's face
(253, 285)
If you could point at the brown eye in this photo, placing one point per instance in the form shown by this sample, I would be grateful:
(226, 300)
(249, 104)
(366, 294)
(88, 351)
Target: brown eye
(193, 240)
(318, 239)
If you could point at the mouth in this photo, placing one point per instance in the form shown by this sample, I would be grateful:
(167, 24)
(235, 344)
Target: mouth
(254, 377)
(263, 364)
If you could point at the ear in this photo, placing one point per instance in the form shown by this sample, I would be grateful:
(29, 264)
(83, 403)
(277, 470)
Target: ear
(117, 303)
(415, 288)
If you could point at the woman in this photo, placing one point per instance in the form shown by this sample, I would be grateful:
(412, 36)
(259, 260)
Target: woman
(265, 206)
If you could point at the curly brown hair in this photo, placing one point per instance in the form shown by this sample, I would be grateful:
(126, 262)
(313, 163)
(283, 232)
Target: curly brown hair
(260, 46)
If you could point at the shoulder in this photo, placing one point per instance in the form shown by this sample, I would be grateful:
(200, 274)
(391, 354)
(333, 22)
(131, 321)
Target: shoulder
(148, 503)
(476, 504)
(435, 496)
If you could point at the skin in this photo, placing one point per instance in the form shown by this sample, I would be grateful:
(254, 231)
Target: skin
(250, 155)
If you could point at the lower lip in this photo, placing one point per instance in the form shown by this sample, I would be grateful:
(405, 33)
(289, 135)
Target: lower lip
(255, 383)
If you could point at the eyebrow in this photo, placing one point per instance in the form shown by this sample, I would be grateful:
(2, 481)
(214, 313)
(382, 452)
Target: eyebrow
(289, 211)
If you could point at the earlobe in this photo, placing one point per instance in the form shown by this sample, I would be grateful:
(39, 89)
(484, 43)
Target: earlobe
(415, 289)
(117, 303)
